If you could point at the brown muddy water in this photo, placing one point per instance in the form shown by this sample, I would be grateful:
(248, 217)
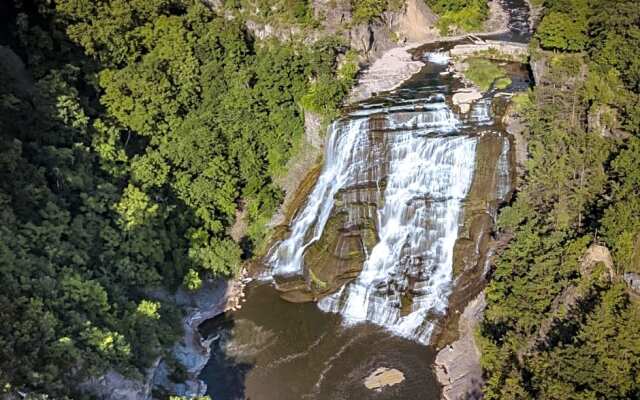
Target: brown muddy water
(274, 350)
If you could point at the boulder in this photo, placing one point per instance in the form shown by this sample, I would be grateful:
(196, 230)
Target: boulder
(382, 377)
(464, 97)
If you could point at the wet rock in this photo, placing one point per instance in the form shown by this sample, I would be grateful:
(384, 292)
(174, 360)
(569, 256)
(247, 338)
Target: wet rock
(334, 260)
(383, 377)
(475, 244)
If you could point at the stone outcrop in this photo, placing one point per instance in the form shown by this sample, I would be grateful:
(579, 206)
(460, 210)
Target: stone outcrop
(475, 245)
(594, 255)
(416, 23)
(632, 280)
(114, 386)
(338, 256)
(301, 170)
(264, 31)
(332, 261)
(457, 366)
(383, 377)
(386, 73)
(502, 50)
(604, 121)
(515, 127)
(463, 98)
(192, 351)
(538, 69)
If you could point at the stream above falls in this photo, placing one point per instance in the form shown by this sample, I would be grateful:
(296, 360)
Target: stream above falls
(373, 245)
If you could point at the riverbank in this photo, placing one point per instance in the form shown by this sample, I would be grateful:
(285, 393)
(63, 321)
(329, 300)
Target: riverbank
(399, 64)
(457, 366)
(192, 351)
(388, 72)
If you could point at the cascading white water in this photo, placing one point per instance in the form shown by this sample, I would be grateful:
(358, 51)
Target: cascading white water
(481, 113)
(427, 173)
(427, 182)
(340, 162)
(345, 164)
(504, 178)
(413, 160)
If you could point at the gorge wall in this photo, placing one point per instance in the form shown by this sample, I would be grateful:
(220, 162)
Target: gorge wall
(402, 211)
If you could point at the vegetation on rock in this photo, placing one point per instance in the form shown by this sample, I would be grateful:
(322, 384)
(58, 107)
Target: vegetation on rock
(486, 74)
(368, 10)
(460, 15)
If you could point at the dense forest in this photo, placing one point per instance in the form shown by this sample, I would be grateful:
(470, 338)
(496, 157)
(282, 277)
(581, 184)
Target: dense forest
(134, 132)
(131, 133)
(561, 321)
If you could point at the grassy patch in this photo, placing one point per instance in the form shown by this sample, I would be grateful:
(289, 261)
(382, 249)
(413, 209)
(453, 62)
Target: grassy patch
(460, 15)
(317, 282)
(521, 101)
(502, 83)
(486, 74)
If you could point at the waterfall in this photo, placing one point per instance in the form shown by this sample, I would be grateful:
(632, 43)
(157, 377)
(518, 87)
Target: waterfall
(427, 182)
(504, 178)
(481, 113)
(420, 166)
(340, 162)
(346, 164)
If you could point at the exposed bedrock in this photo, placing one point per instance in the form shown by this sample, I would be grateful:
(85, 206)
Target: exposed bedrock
(349, 234)
(491, 186)
(334, 260)
(457, 366)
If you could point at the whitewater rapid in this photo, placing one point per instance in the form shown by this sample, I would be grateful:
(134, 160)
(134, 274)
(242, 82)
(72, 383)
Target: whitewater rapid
(418, 157)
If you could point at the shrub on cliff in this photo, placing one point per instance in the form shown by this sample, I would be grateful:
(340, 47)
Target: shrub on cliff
(459, 15)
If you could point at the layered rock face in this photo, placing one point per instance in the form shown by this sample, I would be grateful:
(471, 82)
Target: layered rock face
(386, 223)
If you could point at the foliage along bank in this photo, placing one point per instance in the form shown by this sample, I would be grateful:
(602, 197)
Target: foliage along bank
(557, 326)
(131, 134)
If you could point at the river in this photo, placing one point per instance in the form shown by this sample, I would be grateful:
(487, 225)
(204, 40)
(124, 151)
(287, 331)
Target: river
(402, 163)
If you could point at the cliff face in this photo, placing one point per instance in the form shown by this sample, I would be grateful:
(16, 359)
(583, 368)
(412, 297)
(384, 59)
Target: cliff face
(414, 22)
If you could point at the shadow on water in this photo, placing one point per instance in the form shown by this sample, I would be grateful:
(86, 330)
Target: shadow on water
(225, 373)
(274, 350)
